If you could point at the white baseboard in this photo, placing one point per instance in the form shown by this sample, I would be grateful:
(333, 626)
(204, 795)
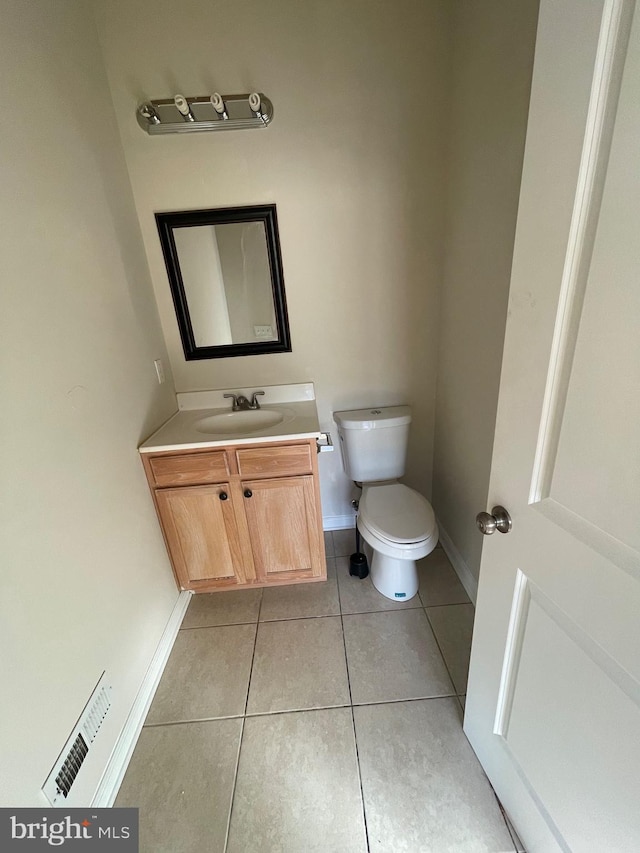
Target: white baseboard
(463, 571)
(339, 522)
(119, 761)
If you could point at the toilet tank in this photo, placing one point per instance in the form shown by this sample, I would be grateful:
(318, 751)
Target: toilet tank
(373, 442)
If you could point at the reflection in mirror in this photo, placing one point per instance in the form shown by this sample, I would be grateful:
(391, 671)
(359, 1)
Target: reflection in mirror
(226, 279)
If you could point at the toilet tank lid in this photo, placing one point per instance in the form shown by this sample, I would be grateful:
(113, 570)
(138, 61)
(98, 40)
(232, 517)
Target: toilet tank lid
(389, 416)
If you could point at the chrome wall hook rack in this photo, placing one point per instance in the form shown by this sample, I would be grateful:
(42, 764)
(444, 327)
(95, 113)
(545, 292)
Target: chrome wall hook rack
(205, 112)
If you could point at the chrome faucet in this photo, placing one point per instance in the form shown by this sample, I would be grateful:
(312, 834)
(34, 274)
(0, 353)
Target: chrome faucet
(241, 404)
(254, 404)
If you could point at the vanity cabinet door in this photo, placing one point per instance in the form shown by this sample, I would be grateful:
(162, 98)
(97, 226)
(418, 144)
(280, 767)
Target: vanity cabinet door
(284, 528)
(201, 532)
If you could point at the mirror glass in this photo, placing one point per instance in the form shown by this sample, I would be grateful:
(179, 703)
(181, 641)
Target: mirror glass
(226, 280)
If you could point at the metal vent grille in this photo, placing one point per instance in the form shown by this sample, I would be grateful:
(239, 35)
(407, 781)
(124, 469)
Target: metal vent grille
(64, 773)
(72, 764)
(97, 712)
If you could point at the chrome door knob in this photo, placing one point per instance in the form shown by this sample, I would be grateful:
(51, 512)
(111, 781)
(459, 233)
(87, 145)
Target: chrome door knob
(499, 520)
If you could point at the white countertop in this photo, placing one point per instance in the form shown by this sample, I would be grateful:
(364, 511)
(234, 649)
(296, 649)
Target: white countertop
(181, 432)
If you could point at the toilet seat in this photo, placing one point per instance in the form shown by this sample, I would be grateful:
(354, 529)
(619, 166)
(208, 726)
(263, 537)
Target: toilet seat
(397, 515)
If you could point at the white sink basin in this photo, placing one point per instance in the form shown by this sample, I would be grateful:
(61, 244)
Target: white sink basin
(243, 423)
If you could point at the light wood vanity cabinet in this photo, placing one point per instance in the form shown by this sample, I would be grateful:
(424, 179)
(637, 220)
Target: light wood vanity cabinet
(240, 515)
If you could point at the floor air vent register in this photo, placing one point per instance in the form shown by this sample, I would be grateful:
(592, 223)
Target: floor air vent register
(65, 771)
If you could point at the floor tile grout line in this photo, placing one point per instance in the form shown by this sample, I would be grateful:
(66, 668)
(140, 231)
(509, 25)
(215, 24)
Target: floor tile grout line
(219, 625)
(420, 606)
(314, 616)
(444, 660)
(253, 656)
(252, 715)
(353, 723)
(195, 720)
(385, 610)
(406, 699)
(255, 714)
(233, 786)
(447, 604)
(364, 807)
(244, 720)
(504, 816)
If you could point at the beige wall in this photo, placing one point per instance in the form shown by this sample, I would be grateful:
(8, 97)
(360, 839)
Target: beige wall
(492, 62)
(86, 584)
(354, 161)
(203, 282)
(245, 266)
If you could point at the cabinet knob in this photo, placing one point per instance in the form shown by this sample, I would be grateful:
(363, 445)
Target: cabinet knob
(223, 496)
(248, 493)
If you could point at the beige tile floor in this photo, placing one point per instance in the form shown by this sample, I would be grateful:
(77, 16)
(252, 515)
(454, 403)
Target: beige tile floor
(317, 717)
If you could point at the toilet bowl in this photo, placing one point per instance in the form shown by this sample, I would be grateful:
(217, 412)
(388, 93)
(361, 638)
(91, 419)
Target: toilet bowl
(399, 526)
(396, 522)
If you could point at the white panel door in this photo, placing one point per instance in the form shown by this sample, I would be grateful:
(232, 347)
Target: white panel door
(553, 708)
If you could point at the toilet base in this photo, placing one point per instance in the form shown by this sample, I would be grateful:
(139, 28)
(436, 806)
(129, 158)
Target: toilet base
(395, 579)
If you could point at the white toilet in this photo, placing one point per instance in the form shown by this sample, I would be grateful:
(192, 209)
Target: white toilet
(396, 521)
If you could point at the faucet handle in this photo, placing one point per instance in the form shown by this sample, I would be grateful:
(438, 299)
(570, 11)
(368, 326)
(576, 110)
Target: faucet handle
(254, 403)
(234, 397)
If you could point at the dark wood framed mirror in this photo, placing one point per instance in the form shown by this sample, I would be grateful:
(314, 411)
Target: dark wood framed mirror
(225, 273)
